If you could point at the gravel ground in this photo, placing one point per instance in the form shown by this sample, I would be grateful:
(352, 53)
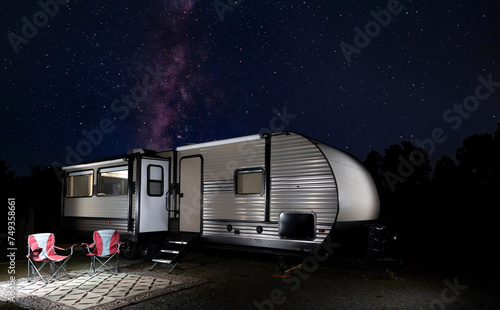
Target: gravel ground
(237, 280)
(249, 281)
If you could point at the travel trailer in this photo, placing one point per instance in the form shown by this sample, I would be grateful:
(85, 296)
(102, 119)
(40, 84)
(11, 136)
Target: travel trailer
(271, 192)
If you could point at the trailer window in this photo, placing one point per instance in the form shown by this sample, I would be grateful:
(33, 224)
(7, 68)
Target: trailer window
(112, 181)
(249, 181)
(155, 180)
(79, 184)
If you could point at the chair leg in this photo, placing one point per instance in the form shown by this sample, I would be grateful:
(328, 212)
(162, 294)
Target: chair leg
(107, 265)
(92, 266)
(34, 271)
(63, 267)
(117, 264)
(52, 268)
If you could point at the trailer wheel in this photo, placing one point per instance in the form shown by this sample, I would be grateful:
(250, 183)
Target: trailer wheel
(148, 250)
(130, 251)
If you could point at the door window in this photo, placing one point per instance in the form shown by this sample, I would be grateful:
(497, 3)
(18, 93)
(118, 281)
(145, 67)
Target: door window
(155, 180)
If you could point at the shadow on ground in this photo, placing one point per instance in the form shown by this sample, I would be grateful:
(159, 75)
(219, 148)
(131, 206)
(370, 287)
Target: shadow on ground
(252, 281)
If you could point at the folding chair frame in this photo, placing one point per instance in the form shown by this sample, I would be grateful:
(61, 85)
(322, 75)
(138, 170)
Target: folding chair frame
(104, 265)
(37, 260)
(94, 256)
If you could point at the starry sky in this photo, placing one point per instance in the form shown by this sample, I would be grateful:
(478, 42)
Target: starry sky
(83, 80)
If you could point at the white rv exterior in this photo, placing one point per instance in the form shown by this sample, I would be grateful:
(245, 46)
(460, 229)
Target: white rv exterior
(279, 191)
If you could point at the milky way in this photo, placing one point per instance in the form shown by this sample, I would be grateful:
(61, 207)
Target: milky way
(175, 104)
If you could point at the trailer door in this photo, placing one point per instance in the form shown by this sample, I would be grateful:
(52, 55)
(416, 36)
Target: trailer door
(154, 187)
(190, 194)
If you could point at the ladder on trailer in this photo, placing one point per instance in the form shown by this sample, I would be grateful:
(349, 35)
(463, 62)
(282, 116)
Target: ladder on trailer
(172, 253)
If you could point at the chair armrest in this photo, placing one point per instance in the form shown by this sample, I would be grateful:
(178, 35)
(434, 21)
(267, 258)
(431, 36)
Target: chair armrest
(34, 252)
(120, 245)
(63, 249)
(88, 247)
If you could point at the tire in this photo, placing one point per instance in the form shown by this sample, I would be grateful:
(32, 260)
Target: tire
(148, 250)
(130, 251)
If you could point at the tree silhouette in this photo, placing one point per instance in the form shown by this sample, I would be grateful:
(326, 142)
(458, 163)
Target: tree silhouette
(7, 178)
(478, 173)
(449, 210)
(45, 198)
(402, 177)
(8, 187)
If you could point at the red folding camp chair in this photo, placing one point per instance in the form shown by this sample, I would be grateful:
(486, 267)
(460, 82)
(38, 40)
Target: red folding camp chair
(41, 251)
(106, 245)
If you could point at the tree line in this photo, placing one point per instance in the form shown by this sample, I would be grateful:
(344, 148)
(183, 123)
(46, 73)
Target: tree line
(446, 209)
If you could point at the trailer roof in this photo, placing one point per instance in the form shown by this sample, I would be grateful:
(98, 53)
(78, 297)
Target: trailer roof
(219, 142)
(95, 163)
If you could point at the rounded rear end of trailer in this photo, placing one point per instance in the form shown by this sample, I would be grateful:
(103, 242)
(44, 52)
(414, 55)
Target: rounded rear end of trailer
(303, 191)
(357, 193)
(358, 199)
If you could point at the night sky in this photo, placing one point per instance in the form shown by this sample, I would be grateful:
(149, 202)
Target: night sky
(83, 80)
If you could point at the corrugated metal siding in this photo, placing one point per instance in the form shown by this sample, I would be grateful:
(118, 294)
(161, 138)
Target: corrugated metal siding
(301, 179)
(81, 224)
(219, 200)
(114, 207)
(246, 229)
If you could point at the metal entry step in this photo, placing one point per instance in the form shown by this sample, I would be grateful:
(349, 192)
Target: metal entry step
(161, 260)
(172, 253)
